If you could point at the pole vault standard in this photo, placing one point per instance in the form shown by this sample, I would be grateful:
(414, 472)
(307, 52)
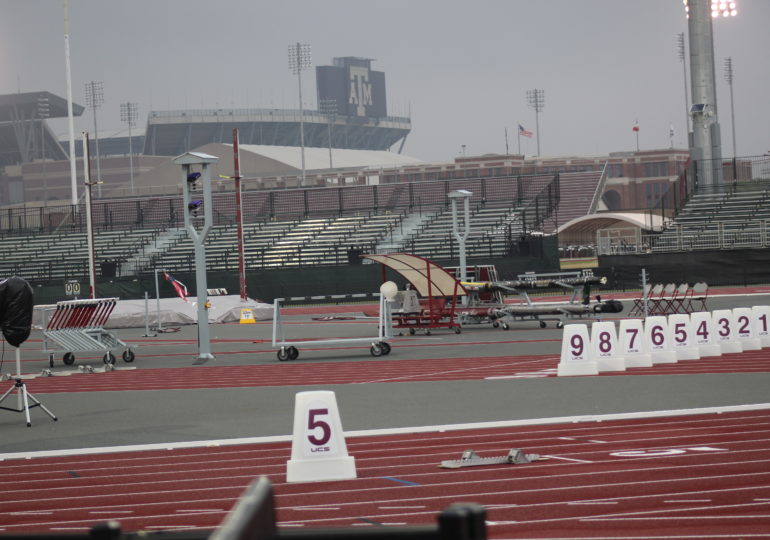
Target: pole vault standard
(239, 216)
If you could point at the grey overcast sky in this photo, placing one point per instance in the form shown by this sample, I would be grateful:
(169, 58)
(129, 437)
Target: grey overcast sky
(461, 69)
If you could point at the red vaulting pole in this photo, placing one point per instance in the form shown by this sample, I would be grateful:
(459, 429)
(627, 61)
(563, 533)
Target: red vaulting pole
(239, 216)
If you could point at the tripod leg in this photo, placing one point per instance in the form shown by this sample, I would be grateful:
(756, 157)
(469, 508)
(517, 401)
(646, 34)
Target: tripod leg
(7, 393)
(38, 404)
(25, 404)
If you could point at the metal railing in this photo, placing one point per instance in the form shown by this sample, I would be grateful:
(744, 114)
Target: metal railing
(704, 236)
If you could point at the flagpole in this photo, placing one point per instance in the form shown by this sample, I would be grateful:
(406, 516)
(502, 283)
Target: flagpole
(518, 133)
(506, 141)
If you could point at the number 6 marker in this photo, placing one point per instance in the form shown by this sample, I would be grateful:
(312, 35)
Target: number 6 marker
(318, 449)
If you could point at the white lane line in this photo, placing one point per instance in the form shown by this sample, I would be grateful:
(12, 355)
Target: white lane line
(402, 507)
(687, 501)
(110, 511)
(394, 431)
(571, 503)
(31, 513)
(568, 459)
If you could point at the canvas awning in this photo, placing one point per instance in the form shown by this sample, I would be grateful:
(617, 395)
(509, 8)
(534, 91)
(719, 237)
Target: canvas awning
(428, 278)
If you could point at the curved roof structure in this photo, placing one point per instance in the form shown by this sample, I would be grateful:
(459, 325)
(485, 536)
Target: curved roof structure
(428, 278)
(593, 222)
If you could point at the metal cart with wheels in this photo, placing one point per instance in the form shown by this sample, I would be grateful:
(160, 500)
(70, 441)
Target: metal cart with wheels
(379, 346)
(77, 326)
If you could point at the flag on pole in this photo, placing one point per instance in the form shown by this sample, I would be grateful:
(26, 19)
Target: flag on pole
(180, 287)
(523, 132)
(636, 126)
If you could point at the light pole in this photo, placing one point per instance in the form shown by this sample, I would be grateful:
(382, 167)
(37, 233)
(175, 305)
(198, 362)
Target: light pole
(683, 59)
(129, 114)
(43, 112)
(729, 79)
(329, 108)
(461, 236)
(299, 59)
(706, 144)
(95, 100)
(536, 100)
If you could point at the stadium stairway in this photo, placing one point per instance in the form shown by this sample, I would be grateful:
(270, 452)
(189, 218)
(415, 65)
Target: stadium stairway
(165, 239)
(411, 223)
(577, 193)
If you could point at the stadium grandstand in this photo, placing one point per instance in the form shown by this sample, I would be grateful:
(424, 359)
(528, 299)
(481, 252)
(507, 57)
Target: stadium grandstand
(354, 195)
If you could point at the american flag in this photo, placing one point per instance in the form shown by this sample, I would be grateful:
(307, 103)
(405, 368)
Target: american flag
(636, 126)
(180, 287)
(524, 132)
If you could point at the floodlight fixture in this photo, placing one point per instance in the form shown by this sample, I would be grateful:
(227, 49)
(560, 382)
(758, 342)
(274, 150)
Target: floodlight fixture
(299, 59)
(719, 8)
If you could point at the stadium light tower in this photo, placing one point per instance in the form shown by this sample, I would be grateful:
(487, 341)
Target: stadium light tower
(683, 59)
(536, 100)
(729, 79)
(299, 59)
(329, 108)
(129, 114)
(706, 143)
(43, 112)
(95, 100)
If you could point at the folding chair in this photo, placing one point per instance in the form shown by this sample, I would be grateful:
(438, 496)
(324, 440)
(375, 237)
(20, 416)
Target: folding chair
(667, 298)
(637, 309)
(656, 297)
(683, 294)
(697, 301)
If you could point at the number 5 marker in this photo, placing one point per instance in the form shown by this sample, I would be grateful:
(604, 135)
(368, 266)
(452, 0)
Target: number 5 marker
(318, 449)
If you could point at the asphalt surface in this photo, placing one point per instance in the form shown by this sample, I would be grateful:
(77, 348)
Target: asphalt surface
(91, 419)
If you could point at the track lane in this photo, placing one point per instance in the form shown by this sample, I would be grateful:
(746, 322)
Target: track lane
(659, 475)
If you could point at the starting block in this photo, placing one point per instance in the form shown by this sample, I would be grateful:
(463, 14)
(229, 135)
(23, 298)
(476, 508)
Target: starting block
(472, 459)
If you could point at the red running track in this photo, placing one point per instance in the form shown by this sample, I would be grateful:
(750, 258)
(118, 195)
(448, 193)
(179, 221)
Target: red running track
(700, 476)
(369, 371)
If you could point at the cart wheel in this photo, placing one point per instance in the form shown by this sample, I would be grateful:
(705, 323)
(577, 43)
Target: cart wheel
(375, 350)
(542, 324)
(128, 356)
(292, 352)
(458, 329)
(282, 354)
(385, 346)
(108, 358)
(495, 324)
(559, 324)
(411, 331)
(68, 359)
(506, 326)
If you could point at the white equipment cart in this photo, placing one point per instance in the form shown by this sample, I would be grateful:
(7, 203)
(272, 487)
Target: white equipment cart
(77, 326)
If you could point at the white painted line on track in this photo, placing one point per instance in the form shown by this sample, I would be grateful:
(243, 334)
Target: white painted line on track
(394, 431)
(568, 459)
(578, 503)
(676, 501)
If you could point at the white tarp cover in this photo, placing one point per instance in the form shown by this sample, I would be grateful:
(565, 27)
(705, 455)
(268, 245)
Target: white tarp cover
(175, 311)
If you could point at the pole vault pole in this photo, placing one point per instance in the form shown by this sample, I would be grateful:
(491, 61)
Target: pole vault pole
(239, 217)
